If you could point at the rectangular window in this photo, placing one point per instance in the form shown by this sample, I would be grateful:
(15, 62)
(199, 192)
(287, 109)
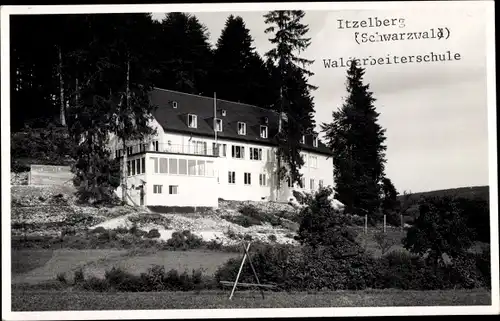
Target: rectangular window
(303, 182)
(164, 165)
(218, 125)
(224, 147)
(247, 178)
(255, 153)
(289, 181)
(231, 177)
(262, 180)
(238, 152)
(139, 167)
(209, 169)
(201, 168)
(133, 166)
(320, 183)
(192, 167)
(143, 165)
(313, 161)
(315, 141)
(311, 184)
(157, 189)
(156, 146)
(242, 128)
(172, 166)
(128, 168)
(173, 189)
(155, 165)
(192, 121)
(303, 139)
(182, 166)
(263, 131)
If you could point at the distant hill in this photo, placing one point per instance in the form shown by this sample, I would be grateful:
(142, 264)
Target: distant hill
(474, 192)
(482, 192)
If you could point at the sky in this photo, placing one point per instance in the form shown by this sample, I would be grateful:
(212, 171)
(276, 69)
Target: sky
(434, 113)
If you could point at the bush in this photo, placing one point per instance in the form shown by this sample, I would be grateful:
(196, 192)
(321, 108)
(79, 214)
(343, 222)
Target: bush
(61, 277)
(153, 234)
(255, 215)
(99, 230)
(96, 284)
(272, 238)
(241, 220)
(184, 240)
(121, 280)
(78, 276)
(440, 228)
(153, 218)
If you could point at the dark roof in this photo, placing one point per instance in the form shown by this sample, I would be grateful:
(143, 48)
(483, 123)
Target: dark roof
(175, 119)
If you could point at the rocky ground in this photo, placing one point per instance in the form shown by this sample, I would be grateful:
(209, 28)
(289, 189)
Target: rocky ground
(48, 210)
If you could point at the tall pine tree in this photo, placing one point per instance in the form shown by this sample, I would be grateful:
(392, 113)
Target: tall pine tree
(358, 144)
(239, 72)
(184, 54)
(294, 102)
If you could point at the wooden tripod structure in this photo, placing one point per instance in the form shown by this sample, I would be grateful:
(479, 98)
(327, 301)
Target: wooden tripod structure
(246, 247)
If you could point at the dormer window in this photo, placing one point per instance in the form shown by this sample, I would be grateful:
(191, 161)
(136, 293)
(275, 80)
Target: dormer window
(223, 112)
(242, 128)
(315, 141)
(218, 124)
(174, 104)
(303, 139)
(192, 121)
(263, 131)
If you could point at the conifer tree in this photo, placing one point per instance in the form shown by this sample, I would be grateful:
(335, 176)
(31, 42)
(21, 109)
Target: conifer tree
(239, 73)
(358, 144)
(294, 103)
(184, 54)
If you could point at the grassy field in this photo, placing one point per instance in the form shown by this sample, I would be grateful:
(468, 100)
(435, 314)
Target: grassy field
(34, 266)
(60, 301)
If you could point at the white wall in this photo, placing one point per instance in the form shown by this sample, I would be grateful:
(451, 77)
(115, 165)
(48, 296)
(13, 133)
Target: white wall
(208, 189)
(323, 170)
(198, 191)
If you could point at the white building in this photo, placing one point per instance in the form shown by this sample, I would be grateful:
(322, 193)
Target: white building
(194, 158)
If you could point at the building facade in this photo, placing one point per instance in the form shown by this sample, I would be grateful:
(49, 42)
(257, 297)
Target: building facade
(204, 149)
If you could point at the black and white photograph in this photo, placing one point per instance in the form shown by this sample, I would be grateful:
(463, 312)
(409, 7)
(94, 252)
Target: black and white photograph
(288, 159)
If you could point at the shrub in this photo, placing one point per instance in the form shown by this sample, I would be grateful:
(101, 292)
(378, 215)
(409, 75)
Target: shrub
(184, 240)
(121, 280)
(483, 263)
(247, 237)
(99, 230)
(440, 228)
(151, 218)
(61, 277)
(96, 284)
(254, 216)
(121, 230)
(323, 226)
(241, 220)
(272, 238)
(78, 276)
(153, 234)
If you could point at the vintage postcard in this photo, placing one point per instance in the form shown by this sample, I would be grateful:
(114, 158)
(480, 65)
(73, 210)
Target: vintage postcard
(249, 160)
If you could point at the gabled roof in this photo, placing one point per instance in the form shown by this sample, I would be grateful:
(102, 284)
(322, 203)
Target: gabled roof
(176, 119)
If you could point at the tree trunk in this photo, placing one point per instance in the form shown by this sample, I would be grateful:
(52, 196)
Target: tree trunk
(62, 109)
(124, 164)
(124, 172)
